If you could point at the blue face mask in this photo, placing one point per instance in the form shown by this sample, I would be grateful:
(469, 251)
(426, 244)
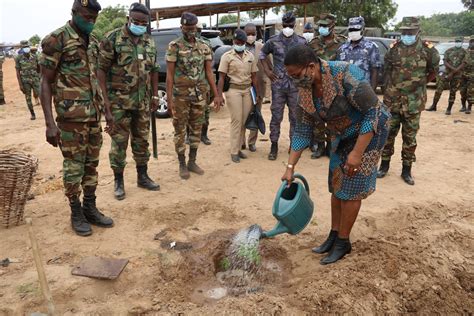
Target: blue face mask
(408, 39)
(324, 31)
(137, 30)
(239, 48)
(26, 50)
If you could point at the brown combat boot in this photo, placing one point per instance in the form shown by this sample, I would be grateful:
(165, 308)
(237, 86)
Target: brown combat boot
(183, 169)
(192, 166)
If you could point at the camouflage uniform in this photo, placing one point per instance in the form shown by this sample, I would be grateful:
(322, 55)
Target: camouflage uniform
(128, 67)
(2, 95)
(77, 103)
(469, 75)
(27, 65)
(209, 96)
(283, 89)
(455, 56)
(190, 89)
(326, 52)
(406, 69)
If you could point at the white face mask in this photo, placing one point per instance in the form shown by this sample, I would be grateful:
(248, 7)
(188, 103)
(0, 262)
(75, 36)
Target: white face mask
(355, 36)
(288, 31)
(458, 44)
(308, 36)
(251, 39)
(26, 50)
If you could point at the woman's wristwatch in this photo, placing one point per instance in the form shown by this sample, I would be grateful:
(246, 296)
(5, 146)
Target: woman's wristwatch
(290, 166)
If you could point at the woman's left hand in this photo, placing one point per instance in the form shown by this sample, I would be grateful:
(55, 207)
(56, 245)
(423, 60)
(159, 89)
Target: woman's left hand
(354, 160)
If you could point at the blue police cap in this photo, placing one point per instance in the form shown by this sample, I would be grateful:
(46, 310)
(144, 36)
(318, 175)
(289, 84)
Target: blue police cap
(356, 23)
(308, 26)
(289, 18)
(240, 35)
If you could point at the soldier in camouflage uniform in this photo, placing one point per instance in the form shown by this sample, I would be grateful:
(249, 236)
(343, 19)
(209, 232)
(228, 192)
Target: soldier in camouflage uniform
(128, 76)
(325, 46)
(27, 73)
(410, 64)
(2, 95)
(469, 74)
(453, 61)
(189, 74)
(68, 68)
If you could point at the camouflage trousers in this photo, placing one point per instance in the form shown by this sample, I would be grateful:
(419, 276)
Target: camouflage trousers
(187, 114)
(470, 90)
(80, 146)
(133, 125)
(280, 97)
(29, 87)
(410, 124)
(207, 114)
(454, 85)
(2, 95)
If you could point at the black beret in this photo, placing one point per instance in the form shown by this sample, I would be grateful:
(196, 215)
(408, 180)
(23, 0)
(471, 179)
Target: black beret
(138, 7)
(240, 35)
(89, 4)
(289, 18)
(188, 18)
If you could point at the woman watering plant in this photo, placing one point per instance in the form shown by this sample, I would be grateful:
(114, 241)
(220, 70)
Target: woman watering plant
(240, 67)
(336, 93)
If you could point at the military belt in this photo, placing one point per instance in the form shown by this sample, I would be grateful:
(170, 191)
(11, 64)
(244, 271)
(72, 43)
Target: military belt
(239, 86)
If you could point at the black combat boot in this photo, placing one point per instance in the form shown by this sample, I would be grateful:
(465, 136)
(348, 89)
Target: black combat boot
(383, 170)
(119, 187)
(192, 166)
(92, 214)
(183, 169)
(468, 110)
(320, 151)
(327, 245)
(340, 248)
(144, 181)
(448, 110)
(433, 107)
(204, 139)
(33, 115)
(273, 151)
(463, 106)
(79, 223)
(2, 102)
(406, 175)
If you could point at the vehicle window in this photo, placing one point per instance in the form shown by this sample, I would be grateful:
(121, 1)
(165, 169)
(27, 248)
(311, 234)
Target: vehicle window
(381, 46)
(162, 41)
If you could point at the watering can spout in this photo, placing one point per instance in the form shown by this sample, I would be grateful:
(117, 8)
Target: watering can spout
(277, 230)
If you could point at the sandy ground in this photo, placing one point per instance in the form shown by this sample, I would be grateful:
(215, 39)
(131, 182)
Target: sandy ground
(412, 245)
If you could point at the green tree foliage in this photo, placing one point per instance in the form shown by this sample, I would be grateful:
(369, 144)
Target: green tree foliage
(230, 18)
(35, 39)
(110, 18)
(375, 12)
(448, 24)
(468, 4)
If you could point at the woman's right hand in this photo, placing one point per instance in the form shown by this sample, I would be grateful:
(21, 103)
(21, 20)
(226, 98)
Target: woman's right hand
(288, 176)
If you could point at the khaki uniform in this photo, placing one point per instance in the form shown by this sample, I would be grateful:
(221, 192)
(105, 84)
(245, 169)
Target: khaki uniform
(239, 69)
(2, 95)
(190, 89)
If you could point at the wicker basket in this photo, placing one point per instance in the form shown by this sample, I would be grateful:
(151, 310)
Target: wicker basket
(16, 176)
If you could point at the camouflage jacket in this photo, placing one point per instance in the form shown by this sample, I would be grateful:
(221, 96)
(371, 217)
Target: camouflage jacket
(27, 65)
(327, 52)
(128, 67)
(406, 70)
(190, 75)
(455, 56)
(77, 97)
(469, 65)
(278, 46)
(2, 58)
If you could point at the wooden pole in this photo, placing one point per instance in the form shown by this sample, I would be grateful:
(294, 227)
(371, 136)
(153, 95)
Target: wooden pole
(217, 23)
(264, 26)
(238, 17)
(157, 19)
(39, 268)
(305, 10)
(210, 20)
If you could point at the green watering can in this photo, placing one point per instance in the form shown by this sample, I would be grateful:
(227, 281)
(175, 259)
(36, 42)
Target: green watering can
(293, 208)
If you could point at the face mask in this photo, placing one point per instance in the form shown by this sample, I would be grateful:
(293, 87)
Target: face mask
(355, 36)
(458, 45)
(239, 48)
(324, 31)
(308, 36)
(83, 25)
(251, 39)
(304, 82)
(137, 30)
(408, 39)
(288, 31)
(189, 34)
(26, 50)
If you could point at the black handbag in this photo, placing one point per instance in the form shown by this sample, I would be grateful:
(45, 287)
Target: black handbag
(255, 120)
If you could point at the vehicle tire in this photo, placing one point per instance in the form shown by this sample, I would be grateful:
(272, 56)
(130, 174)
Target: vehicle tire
(162, 111)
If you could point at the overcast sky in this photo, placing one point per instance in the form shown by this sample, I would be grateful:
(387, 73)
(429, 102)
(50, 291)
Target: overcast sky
(20, 19)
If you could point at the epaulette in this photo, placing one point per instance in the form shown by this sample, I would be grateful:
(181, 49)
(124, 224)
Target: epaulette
(428, 44)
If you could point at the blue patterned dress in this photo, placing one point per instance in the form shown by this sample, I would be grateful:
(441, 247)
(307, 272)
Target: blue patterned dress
(350, 107)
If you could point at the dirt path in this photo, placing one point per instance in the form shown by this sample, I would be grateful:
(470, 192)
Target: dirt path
(413, 245)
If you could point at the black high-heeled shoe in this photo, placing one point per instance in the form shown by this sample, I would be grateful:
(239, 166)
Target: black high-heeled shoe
(341, 248)
(327, 245)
